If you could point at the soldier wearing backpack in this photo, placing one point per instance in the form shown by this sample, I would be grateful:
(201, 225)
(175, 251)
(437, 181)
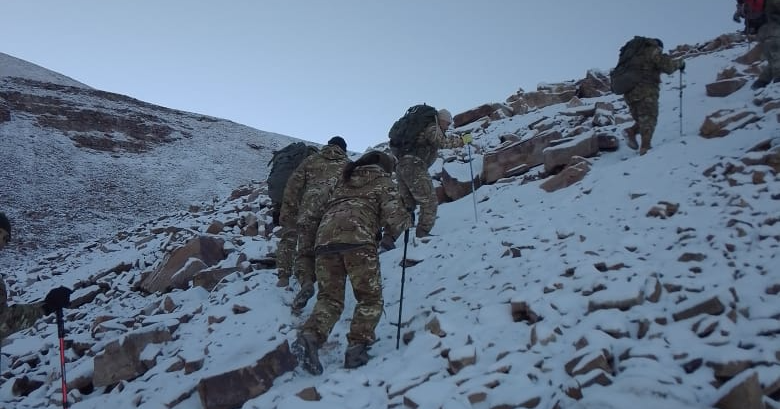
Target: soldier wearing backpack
(364, 199)
(637, 77)
(415, 139)
(307, 191)
(769, 35)
(753, 13)
(283, 164)
(17, 317)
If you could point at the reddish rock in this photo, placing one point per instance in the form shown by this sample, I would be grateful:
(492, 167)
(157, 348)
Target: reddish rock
(232, 389)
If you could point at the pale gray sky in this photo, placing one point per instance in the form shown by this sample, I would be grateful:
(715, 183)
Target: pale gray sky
(313, 69)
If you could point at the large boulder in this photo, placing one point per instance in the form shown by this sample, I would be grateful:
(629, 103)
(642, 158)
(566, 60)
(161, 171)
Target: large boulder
(121, 359)
(568, 176)
(525, 154)
(182, 264)
(561, 154)
(595, 84)
(231, 389)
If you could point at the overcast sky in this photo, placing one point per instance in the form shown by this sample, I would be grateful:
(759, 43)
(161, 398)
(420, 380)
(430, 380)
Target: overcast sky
(314, 69)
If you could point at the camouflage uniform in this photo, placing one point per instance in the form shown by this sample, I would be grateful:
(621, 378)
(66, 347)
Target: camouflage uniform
(306, 192)
(16, 317)
(642, 100)
(414, 181)
(285, 251)
(769, 35)
(364, 201)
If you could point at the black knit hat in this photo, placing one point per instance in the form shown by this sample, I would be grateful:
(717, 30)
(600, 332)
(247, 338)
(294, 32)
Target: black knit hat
(659, 42)
(5, 224)
(338, 141)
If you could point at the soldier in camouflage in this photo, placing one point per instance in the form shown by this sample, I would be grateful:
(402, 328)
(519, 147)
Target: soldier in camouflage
(414, 181)
(364, 200)
(769, 35)
(307, 191)
(642, 100)
(284, 163)
(17, 317)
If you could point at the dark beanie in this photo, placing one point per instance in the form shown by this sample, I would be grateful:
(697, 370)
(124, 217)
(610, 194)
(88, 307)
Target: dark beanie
(338, 141)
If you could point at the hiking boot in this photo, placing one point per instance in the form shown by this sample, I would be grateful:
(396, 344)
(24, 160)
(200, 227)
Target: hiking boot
(302, 298)
(356, 356)
(420, 233)
(759, 84)
(283, 282)
(629, 134)
(306, 350)
(387, 243)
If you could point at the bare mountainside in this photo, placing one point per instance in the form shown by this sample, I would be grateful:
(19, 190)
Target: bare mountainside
(81, 163)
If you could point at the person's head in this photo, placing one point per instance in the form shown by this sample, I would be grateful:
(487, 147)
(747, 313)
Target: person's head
(445, 118)
(338, 141)
(659, 42)
(5, 230)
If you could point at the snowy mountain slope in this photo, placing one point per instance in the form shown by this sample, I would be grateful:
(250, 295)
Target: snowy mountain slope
(83, 163)
(15, 67)
(650, 283)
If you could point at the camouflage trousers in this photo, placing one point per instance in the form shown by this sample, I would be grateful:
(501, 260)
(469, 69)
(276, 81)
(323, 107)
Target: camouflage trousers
(771, 49)
(416, 188)
(304, 262)
(361, 265)
(16, 317)
(642, 101)
(285, 251)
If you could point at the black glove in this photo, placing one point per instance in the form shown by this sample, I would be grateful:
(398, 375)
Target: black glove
(411, 213)
(56, 299)
(682, 66)
(737, 17)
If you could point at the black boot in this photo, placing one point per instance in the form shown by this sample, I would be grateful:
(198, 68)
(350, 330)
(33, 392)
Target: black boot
(306, 349)
(759, 84)
(356, 356)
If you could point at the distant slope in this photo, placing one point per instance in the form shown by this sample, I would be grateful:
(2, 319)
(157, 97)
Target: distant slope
(83, 163)
(15, 67)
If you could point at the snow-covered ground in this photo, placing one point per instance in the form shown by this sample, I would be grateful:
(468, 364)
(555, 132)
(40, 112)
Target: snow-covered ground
(580, 298)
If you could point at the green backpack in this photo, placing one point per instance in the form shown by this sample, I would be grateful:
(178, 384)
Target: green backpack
(283, 164)
(625, 76)
(405, 131)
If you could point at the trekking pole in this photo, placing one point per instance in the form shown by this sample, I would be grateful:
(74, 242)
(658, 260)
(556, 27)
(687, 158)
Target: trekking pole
(401, 302)
(61, 335)
(681, 103)
(473, 194)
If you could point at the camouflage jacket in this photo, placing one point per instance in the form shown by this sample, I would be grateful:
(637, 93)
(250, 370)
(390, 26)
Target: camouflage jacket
(310, 185)
(651, 63)
(359, 207)
(16, 317)
(430, 141)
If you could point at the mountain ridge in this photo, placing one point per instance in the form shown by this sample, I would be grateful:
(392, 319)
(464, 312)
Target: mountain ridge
(129, 160)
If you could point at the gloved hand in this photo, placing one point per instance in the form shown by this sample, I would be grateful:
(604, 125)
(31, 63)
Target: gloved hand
(737, 17)
(56, 299)
(682, 65)
(467, 138)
